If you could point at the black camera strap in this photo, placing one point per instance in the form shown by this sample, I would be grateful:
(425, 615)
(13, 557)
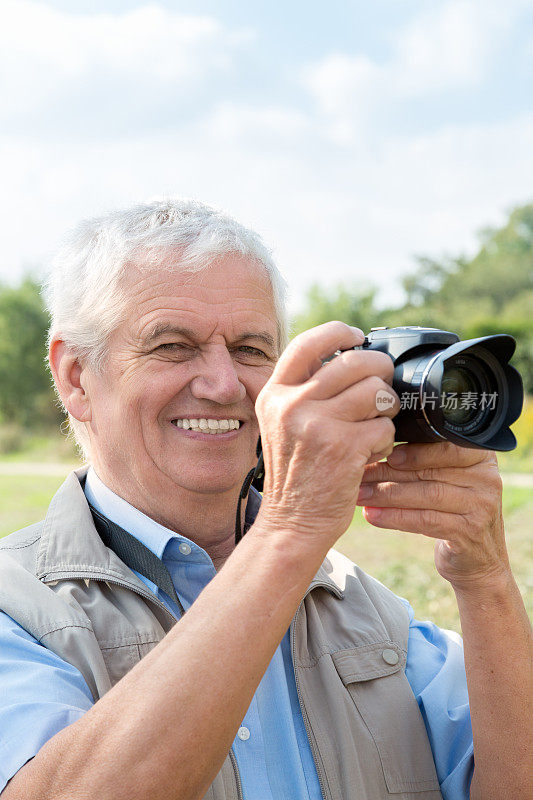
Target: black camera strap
(254, 478)
(134, 554)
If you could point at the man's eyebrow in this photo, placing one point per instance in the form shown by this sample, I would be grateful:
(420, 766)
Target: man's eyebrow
(164, 329)
(161, 329)
(263, 336)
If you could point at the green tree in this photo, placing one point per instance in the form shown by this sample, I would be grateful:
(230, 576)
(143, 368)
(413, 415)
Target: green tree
(355, 307)
(496, 277)
(489, 293)
(26, 395)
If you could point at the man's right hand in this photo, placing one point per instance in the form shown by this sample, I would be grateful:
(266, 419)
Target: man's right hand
(320, 426)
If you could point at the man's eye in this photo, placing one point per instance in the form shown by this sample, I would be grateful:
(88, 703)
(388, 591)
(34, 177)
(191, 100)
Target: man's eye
(253, 351)
(173, 346)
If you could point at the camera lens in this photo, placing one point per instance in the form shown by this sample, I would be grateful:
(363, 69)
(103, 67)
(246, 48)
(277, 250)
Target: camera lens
(460, 395)
(465, 394)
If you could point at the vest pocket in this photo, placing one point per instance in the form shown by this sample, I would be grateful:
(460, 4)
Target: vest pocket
(121, 655)
(375, 678)
(119, 659)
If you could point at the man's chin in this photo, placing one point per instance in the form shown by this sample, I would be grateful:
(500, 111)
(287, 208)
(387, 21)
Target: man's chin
(214, 482)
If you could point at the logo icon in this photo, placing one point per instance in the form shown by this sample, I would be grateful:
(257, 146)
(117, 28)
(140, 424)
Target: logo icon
(384, 400)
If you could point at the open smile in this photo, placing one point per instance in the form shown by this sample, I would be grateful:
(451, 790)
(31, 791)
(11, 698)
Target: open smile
(206, 425)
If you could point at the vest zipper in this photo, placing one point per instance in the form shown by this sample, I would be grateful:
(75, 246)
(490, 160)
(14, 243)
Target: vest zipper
(237, 774)
(317, 758)
(147, 596)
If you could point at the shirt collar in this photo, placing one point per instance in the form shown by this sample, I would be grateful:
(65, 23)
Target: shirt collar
(151, 533)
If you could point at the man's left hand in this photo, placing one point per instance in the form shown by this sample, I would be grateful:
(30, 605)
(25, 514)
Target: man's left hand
(452, 494)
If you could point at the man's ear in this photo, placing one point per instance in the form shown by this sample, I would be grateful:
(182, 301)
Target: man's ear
(68, 378)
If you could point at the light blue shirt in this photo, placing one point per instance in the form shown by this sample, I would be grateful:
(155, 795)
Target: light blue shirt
(40, 694)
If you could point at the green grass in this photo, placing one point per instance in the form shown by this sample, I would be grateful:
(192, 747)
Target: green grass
(18, 446)
(402, 561)
(24, 499)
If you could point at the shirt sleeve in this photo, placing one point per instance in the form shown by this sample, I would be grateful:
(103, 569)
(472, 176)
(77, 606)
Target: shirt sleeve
(40, 694)
(436, 673)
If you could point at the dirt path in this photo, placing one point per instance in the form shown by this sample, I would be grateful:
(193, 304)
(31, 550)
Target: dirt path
(521, 479)
(36, 468)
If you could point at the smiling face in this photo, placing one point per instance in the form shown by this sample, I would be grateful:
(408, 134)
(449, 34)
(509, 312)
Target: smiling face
(194, 347)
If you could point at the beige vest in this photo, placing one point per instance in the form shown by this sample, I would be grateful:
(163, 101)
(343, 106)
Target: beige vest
(349, 644)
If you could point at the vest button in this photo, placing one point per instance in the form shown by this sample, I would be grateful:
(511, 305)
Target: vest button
(390, 657)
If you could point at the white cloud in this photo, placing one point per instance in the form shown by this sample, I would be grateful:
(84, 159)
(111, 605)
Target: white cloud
(447, 46)
(67, 69)
(268, 123)
(338, 78)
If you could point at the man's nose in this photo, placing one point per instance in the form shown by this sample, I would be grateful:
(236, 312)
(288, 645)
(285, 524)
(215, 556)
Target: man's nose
(217, 378)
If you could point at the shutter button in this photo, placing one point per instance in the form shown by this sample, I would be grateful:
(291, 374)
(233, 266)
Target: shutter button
(390, 657)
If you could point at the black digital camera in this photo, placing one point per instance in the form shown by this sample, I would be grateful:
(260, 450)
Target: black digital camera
(462, 391)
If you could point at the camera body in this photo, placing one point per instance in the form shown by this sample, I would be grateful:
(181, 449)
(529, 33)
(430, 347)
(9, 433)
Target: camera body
(465, 392)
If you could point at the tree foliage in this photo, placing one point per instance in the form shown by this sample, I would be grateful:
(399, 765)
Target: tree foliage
(489, 293)
(26, 395)
(499, 275)
(353, 306)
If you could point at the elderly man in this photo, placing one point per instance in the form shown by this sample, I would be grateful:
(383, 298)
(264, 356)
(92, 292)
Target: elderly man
(143, 654)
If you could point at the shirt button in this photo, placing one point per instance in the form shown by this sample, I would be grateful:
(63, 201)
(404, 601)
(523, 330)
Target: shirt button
(243, 733)
(184, 548)
(390, 657)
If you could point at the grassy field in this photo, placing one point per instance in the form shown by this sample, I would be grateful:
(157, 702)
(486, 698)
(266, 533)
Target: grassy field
(402, 561)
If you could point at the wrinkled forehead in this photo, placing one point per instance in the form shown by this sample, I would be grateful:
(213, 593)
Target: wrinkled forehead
(231, 292)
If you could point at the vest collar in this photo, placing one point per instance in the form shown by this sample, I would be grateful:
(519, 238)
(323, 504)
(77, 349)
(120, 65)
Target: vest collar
(70, 545)
(331, 578)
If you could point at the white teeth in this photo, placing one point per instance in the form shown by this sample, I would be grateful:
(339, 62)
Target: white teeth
(207, 425)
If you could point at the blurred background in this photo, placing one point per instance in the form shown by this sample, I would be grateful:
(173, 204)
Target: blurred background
(383, 150)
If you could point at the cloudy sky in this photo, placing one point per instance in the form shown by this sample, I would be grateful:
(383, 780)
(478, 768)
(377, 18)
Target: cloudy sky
(352, 135)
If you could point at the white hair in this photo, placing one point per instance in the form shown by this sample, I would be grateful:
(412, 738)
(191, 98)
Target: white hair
(84, 291)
